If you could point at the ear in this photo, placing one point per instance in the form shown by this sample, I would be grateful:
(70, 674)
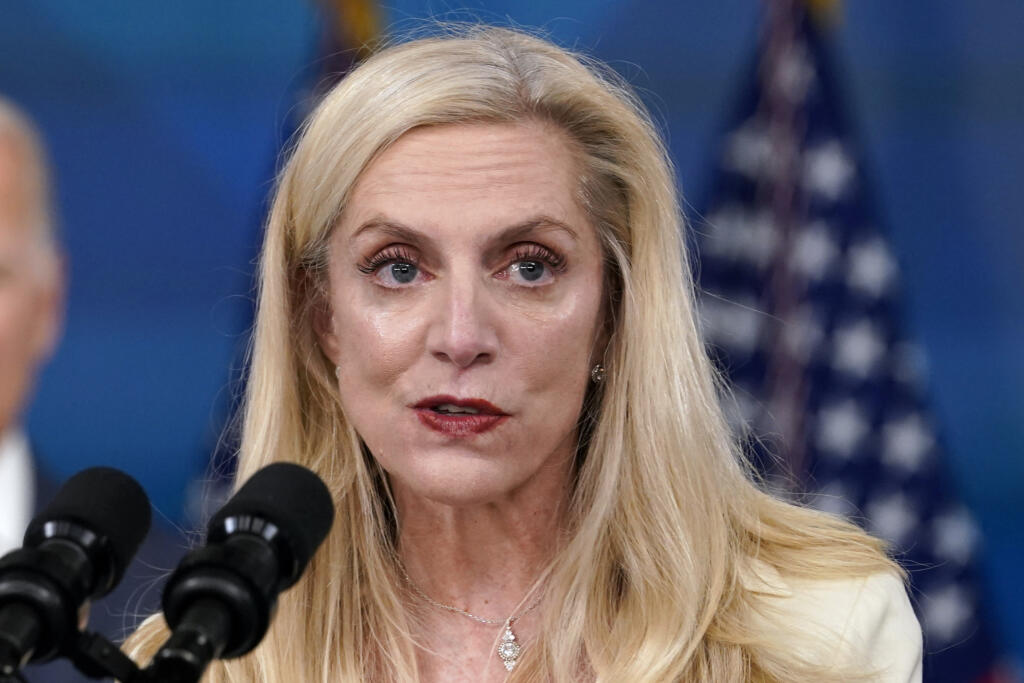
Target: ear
(48, 318)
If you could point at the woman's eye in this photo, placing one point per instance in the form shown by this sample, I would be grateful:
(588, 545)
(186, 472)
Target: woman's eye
(530, 272)
(397, 273)
(393, 267)
(533, 265)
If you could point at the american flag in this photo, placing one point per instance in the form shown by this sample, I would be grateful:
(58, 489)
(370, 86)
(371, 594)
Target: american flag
(801, 307)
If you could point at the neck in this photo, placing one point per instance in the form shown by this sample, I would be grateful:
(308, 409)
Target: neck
(486, 558)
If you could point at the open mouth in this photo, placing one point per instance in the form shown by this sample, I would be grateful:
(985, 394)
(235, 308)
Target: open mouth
(452, 409)
(450, 405)
(459, 417)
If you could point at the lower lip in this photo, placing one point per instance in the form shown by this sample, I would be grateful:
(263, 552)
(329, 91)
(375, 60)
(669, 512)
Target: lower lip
(458, 425)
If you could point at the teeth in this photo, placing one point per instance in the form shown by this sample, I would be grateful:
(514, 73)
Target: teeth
(450, 408)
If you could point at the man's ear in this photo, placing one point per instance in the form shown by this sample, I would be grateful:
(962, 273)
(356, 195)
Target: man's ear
(48, 321)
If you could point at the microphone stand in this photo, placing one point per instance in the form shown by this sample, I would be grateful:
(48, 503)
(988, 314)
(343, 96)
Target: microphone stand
(182, 659)
(97, 657)
(91, 653)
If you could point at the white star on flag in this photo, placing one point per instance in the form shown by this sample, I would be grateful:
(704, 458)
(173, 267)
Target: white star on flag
(733, 324)
(737, 235)
(841, 427)
(815, 251)
(892, 517)
(834, 498)
(945, 611)
(955, 536)
(828, 170)
(750, 151)
(871, 267)
(858, 347)
(906, 441)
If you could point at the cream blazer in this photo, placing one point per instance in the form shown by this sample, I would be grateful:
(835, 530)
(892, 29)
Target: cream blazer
(868, 620)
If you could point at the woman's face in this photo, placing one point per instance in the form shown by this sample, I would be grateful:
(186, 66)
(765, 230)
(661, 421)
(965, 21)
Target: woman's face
(465, 303)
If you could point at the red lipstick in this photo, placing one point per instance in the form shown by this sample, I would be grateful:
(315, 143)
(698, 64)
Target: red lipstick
(459, 417)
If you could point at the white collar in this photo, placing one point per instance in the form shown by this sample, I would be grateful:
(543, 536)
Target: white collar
(17, 488)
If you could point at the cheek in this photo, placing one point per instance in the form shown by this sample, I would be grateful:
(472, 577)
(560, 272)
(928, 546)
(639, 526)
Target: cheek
(376, 344)
(18, 352)
(554, 349)
(21, 312)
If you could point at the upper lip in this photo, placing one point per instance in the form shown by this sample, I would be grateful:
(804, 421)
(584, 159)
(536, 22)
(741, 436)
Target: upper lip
(479, 404)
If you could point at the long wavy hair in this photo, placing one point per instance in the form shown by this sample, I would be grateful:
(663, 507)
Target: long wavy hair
(666, 521)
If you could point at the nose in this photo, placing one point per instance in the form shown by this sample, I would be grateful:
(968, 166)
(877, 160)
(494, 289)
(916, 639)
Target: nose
(463, 332)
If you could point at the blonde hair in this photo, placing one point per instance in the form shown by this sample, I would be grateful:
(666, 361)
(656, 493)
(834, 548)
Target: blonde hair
(665, 519)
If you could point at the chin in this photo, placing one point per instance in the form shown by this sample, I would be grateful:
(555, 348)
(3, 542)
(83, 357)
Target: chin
(461, 483)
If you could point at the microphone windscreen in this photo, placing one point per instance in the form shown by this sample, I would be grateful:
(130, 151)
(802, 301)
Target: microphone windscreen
(291, 497)
(107, 502)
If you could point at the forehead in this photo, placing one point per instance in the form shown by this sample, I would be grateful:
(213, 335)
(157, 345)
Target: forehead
(483, 173)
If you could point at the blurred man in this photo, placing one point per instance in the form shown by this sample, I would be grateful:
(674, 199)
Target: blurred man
(31, 312)
(31, 309)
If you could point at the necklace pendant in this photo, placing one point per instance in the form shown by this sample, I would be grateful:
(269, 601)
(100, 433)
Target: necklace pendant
(508, 648)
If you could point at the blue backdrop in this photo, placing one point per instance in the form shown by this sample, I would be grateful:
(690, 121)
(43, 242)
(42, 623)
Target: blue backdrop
(163, 121)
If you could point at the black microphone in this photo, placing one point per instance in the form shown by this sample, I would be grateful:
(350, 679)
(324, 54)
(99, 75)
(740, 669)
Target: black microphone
(220, 600)
(75, 550)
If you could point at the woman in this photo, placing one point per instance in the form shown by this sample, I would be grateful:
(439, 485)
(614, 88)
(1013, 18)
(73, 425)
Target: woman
(476, 323)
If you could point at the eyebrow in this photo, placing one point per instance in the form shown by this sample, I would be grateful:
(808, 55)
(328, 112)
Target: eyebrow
(509, 234)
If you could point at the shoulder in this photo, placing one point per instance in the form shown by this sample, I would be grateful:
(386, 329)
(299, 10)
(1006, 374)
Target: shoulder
(864, 622)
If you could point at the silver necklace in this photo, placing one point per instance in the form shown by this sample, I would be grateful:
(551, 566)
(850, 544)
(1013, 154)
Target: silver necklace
(509, 648)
